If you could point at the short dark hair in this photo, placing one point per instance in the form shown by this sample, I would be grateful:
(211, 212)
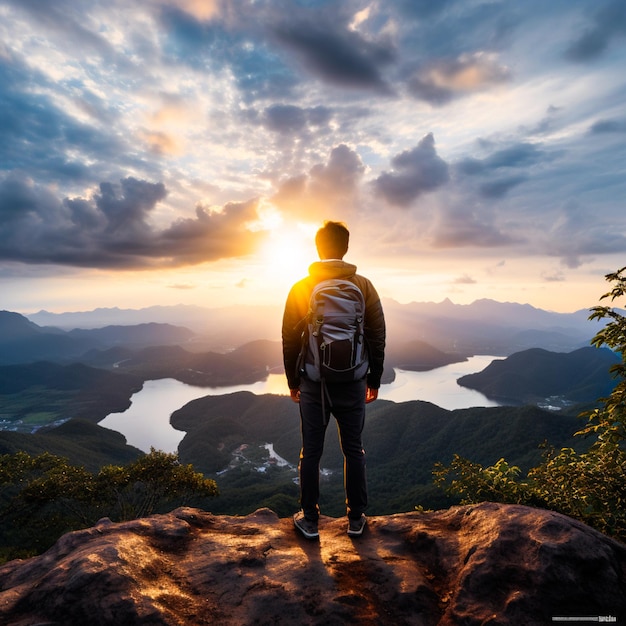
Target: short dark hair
(332, 239)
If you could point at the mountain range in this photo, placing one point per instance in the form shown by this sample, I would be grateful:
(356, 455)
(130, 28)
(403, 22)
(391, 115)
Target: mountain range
(483, 327)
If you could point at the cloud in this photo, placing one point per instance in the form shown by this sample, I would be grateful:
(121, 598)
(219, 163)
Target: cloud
(327, 186)
(465, 279)
(340, 175)
(555, 277)
(291, 119)
(203, 10)
(518, 155)
(423, 9)
(181, 286)
(38, 135)
(462, 227)
(610, 126)
(112, 228)
(607, 25)
(416, 171)
(442, 80)
(336, 54)
(67, 21)
(499, 188)
(579, 233)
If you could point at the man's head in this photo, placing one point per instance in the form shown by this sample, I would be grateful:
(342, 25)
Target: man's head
(331, 240)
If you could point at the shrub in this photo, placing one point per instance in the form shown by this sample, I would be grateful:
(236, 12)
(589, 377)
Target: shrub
(589, 486)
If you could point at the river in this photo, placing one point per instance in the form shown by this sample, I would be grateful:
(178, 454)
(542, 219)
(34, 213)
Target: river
(146, 423)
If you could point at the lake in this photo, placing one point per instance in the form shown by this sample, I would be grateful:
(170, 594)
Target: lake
(146, 423)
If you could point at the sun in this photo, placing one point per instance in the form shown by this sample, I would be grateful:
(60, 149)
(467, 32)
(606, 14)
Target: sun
(287, 253)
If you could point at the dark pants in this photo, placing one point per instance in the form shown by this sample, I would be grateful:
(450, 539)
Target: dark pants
(347, 403)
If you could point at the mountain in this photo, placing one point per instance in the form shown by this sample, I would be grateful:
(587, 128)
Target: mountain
(82, 443)
(221, 327)
(482, 564)
(487, 327)
(22, 341)
(37, 394)
(149, 333)
(227, 437)
(483, 327)
(247, 364)
(14, 326)
(418, 356)
(533, 375)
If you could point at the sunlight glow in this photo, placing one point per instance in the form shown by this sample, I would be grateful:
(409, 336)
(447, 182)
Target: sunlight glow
(287, 254)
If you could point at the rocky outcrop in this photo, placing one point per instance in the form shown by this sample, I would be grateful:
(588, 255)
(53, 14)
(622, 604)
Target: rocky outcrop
(483, 564)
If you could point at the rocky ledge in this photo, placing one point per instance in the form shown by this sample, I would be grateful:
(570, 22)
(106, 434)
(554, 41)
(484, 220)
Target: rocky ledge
(483, 564)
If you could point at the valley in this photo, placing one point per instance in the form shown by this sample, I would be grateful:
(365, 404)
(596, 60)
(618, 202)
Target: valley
(55, 382)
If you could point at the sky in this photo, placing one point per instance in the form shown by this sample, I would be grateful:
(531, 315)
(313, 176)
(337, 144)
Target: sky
(186, 151)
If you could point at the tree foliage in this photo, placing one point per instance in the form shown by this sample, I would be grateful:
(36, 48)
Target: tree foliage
(43, 496)
(590, 485)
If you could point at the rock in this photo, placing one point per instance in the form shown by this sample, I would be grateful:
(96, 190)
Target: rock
(483, 564)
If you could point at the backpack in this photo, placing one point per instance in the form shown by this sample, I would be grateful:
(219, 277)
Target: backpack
(334, 347)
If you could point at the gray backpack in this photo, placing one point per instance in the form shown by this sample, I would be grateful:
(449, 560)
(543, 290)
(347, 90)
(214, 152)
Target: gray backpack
(334, 349)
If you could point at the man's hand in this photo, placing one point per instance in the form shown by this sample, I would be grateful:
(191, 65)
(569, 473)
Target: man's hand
(370, 395)
(295, 395)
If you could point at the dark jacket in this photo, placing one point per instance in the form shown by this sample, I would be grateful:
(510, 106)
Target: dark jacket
(297, 307)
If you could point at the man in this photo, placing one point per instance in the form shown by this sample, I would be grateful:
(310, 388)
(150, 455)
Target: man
(346, 400)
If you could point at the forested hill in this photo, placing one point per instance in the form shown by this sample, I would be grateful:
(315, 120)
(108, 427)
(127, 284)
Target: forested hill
(226, 438)
(534, 375)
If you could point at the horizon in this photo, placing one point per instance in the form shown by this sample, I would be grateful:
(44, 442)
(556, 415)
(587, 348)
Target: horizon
(279, 305)
(186, 151)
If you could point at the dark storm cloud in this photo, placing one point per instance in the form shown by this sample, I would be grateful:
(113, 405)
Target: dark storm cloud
(112, 229)
(336, 54)
(608, 23)
(415, 172)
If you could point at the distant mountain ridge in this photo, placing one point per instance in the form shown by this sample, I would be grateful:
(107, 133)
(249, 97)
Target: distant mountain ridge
(23, 341)
(483, 327)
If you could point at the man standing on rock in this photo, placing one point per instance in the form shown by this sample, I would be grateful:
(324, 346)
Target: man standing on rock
(333, 349)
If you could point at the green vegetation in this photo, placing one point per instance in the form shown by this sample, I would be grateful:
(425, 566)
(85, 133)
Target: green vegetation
(588, 485)
(44, 496)
(402, 441)
(81, 442)
(41, 393)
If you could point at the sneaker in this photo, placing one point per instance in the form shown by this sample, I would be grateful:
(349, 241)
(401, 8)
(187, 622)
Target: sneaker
(356, 526)
(305, 526)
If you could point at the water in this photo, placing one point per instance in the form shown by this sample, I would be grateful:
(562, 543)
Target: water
(146, 423)
(439, 386)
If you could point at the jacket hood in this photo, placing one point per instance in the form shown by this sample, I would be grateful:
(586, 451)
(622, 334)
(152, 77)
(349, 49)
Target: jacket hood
(323, 270)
